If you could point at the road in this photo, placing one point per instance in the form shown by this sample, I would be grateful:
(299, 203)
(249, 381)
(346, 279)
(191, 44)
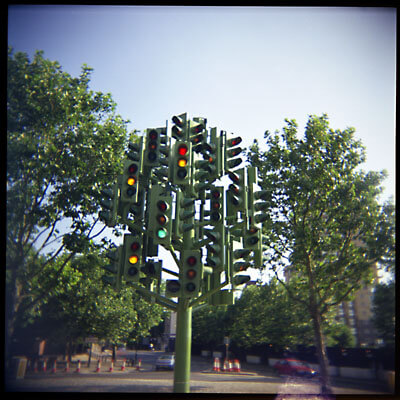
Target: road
(252, 379)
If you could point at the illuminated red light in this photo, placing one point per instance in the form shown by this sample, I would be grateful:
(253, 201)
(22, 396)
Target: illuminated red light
(182, 150)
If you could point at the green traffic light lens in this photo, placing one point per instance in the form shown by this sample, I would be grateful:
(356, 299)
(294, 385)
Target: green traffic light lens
(162, 233)
(191, 287)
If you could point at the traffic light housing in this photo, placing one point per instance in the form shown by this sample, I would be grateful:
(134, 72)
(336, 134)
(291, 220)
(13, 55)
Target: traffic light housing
(133, 257)
(130, 182)
(216, 247)
(115, 268)
(160, 215)
(232, 152)
(191, 272)
(180, 163)
(110, 204)
(236, 193)
(184, 213)
(179, 127)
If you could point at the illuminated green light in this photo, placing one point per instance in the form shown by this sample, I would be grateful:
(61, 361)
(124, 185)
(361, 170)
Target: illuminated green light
(161, 233)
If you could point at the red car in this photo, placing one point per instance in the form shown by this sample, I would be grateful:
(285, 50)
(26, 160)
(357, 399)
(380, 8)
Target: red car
(291, 366)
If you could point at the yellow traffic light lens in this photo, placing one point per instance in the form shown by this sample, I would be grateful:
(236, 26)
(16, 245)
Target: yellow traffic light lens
(133, 259)
(182, 162)
(191, 274)
(131, 181)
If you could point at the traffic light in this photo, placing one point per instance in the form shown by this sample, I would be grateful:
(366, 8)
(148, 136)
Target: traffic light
(197, 133)
(191, 272)
(130, 182)
(154, 145)
(216, 247)
(115, 268)
(110, 203)
(179, 129)
(180, 163)
(152, 271)
(256, 206)
(160, 215)
(133, 256)
(231, 153)
(236, 193)
(252, 238)
(184, 214)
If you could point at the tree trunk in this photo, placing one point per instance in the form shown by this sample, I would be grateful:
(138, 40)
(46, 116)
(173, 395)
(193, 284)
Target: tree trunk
(321, 353)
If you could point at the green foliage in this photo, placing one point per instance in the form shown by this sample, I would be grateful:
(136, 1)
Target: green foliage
(325, 224)
(80, 305)
(64, 143)
(384, 304)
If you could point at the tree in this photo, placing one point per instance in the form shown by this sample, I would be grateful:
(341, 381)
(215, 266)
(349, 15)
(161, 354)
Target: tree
(325, 227)
(384, 312)
(64, 143)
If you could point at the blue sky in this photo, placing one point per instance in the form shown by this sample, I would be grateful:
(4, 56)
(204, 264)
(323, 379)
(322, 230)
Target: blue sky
(245, 69)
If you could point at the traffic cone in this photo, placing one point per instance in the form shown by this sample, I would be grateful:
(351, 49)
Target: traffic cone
(138, 365)
(111, 366)
(78, 367)
(35, 366)
(98, 365)
(217, 367)
(226, 366)
(67, 367)
(230, 366)
(123, 365)
(236, 365)
(44, 366)
(54, 369)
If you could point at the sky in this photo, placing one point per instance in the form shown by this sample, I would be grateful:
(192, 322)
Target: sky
(245, 69)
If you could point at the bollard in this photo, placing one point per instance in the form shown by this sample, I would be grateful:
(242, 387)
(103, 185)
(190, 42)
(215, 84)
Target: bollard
(67, 367)
(230, 366)
(111, 366)
(98, 365)
(123, 365)
(44, 368)
(54, 369)
(216, 367)
(138, 365)
(78, 367)
(226, 366)
(236, 365)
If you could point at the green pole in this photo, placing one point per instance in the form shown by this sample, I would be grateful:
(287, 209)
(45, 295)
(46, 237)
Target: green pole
(183, 347)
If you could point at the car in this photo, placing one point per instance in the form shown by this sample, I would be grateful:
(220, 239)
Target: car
(292, 366)
(166, 361)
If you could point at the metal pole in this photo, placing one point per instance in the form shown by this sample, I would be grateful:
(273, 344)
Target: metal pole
(183, 347)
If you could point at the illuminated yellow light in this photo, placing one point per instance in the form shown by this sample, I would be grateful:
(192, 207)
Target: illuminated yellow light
(133, 259)
(182, 162)
(131, 181)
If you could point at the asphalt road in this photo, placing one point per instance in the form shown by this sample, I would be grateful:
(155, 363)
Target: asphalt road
(251, 379)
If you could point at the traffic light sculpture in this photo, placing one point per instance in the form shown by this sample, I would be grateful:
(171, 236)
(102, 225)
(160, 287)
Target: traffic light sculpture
(167, 195)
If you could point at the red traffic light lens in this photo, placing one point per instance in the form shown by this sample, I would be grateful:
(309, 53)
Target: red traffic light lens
(191, 260)
(233, 177)
(176, 120)
(132, 169)
(162, 205)
(215, 194)
(135, 246)
(235, 141)
(182, 149)
(153, 135)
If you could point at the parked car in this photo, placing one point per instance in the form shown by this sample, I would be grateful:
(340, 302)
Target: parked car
(292, 366)
(166, 361)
